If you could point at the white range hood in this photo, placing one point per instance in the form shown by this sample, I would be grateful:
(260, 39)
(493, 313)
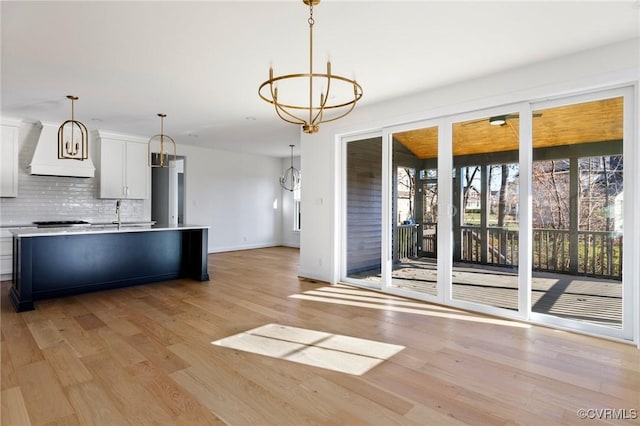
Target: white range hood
(45, 159)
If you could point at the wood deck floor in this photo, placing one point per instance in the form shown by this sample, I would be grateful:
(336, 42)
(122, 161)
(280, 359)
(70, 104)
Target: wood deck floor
(585, 299)
(144, 355)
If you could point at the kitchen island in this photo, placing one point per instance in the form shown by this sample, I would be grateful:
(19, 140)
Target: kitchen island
(56, 262)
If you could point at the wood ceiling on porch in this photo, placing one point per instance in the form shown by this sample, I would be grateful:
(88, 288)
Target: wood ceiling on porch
(595, 121)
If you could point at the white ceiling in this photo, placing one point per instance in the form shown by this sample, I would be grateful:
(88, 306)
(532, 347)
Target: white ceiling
(201, 62)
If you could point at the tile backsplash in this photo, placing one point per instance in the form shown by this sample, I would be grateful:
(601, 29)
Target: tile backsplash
(60, 198)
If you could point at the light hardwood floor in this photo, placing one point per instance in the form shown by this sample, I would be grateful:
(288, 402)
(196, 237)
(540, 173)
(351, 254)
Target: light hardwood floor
(143, 355)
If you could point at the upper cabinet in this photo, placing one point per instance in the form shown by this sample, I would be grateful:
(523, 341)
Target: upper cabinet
(9, 158)
(124, 173)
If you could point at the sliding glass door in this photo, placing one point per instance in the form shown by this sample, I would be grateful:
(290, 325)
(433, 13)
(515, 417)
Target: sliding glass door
(515, 211)
(578, 195)
(414, 216)
(390, 194)
(486, 202)
(363, 211)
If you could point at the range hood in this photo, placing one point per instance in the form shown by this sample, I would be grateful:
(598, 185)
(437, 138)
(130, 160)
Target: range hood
(45, 159)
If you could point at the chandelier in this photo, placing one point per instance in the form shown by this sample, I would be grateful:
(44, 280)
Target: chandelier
(290, 179)
(312, 115)
(73, 138)
(162, 158)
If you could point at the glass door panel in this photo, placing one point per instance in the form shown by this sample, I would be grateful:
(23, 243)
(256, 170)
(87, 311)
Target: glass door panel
(415, 211)
(364, 211)
(485, 196)
(577, 199)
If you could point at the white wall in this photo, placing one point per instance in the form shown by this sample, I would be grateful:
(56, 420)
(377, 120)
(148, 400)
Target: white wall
(597, 68)
(238, 195)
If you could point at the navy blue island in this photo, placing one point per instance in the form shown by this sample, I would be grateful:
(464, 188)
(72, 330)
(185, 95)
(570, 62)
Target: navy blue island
(62, 261)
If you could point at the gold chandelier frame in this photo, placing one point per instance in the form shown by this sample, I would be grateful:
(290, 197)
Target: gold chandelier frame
(72, 149)
(163, 157)
(316, 112)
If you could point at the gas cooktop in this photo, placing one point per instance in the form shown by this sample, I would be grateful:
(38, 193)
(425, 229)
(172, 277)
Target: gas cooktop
(60, 223)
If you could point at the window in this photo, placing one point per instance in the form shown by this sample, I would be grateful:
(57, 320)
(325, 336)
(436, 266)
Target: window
(297, 214)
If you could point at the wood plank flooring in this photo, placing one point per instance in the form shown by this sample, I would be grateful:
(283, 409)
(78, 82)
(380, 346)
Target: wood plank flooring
(143, 355)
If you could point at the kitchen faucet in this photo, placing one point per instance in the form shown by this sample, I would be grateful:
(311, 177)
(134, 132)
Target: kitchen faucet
(118, 202)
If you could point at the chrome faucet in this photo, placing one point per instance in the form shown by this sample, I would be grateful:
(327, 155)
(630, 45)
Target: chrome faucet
(118, 203)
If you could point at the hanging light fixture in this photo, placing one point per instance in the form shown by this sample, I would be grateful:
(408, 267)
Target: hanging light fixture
(290, 179)
(161, 158)
(312, 115)
(73, 137)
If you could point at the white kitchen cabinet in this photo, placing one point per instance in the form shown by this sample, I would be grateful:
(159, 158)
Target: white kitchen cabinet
(6, 254)
(9, 158)
(124, 173)
(6, 251)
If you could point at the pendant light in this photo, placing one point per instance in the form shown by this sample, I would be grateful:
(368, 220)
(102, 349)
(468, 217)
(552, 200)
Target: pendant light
(163, 157)
(73, 137)
(311, 115)
(290, 179)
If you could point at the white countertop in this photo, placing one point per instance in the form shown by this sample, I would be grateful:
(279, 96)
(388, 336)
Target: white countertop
(99, 229)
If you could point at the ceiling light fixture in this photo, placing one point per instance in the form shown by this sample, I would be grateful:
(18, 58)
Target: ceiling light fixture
(73, 138)
(162, 158)
(312, 115)
(498, 120)
(290, 179)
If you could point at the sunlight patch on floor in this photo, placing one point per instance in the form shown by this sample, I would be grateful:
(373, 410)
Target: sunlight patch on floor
(392, 304)
(345, 354)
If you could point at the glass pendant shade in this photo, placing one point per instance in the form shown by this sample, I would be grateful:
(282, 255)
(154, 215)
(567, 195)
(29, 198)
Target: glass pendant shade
(161, 148)
(290, 179)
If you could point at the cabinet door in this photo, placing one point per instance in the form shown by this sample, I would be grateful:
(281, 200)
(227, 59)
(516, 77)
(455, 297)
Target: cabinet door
(137, 171)
(112, 160)
(9, 162)
(6, 254)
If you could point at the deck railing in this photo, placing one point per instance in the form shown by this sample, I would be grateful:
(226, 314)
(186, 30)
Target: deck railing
(430, 240)
(501, 250)
(593, 253)
(407, 241)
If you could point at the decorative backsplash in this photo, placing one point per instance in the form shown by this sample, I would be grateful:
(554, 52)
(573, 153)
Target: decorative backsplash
(60, 198)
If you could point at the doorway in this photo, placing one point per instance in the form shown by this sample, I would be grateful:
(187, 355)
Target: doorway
(167, 192)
